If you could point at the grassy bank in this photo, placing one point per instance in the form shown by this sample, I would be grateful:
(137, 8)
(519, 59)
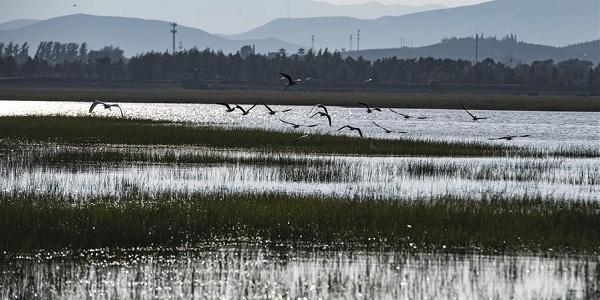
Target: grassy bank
(31, 222)
(93, 130)
(409, 100)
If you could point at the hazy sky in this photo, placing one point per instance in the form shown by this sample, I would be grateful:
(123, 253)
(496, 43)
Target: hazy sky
(202, 14)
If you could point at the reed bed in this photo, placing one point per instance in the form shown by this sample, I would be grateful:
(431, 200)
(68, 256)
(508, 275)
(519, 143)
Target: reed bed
(31, 221)
(94, 130)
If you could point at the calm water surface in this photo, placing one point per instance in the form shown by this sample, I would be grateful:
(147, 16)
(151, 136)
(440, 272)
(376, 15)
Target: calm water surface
(251, 272)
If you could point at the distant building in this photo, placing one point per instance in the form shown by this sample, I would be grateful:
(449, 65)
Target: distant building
(246, 51)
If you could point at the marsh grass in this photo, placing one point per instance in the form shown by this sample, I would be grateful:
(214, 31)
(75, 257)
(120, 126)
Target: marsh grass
(32, 222)
(93, 130)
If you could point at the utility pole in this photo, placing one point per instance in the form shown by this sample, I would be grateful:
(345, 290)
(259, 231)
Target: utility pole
(358, 40)
(350, 48)
(173, 31)
(476, 45)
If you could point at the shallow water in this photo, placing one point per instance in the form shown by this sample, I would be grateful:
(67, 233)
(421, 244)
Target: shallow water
(252, 272)
(403, 178)
(547, 130)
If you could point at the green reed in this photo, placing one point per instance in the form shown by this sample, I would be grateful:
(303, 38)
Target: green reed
(94, 130)
(32, 221)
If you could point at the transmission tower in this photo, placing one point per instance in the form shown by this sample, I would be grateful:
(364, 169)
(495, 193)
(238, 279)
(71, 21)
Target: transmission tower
(173, 31)
(358, 40)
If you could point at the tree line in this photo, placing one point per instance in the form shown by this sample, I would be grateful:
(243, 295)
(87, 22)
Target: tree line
(71, 60)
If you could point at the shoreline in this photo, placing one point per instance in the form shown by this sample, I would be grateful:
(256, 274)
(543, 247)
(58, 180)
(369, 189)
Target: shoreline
(423, 98)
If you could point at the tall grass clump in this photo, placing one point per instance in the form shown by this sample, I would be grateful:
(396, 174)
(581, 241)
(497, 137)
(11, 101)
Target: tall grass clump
(33, 221)
(94, 130)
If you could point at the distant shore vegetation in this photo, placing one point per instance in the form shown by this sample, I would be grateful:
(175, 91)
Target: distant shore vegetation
(72, 60)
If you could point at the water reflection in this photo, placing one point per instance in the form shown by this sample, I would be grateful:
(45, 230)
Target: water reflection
(343, 176)
(252, 272)
(547, 130)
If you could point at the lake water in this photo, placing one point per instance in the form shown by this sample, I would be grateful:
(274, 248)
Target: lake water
(547, 130)
(258, 272)
(231, 271)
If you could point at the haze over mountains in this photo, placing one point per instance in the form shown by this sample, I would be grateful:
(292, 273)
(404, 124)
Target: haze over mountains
(213, 16)
(545, 22)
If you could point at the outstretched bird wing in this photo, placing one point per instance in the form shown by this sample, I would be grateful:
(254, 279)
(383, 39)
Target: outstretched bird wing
(270, 110)
(364, 104)
(288, 77)
(226, 105)
(286, 122)
(117, 105)
(468, 111)
(96, 102)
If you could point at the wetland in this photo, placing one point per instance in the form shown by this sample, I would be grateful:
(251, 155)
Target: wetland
(189, 201)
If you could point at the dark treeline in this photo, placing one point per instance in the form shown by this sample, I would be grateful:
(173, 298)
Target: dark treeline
(57, 60)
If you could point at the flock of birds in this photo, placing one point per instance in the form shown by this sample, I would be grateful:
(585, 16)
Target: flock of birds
(320, 111)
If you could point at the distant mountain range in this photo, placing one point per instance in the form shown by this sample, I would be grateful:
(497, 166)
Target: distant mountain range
(547, 22)
(557, 23)
(222, 16)
(501, 49)
(132, 35)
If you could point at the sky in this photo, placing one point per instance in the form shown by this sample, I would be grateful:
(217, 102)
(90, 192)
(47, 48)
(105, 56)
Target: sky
(193, 13)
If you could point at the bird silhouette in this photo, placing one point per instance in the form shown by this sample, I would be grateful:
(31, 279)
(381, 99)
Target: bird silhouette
(245, 111)
(291, 81)
(296, 125)
(407, 116)
(352, 129)
(387, 130)
(272, 112)
(509, 137)
(323, 114)
(229, 108)
(317, 107)
(475, 118)
(370, 110)
(106, 106)
(302, 137)
(372, 147)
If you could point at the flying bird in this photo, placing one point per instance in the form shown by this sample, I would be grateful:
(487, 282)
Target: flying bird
(290, 80)
(387, 130)
(475, 118)
(352, 129)
(319, 106)
(272, 112)
(245, 111)
(303, 137)
(407, 116)
(229, 108)
(323, 114)
(369, 110)
(509, 137)
(296, 125)
(106, 106)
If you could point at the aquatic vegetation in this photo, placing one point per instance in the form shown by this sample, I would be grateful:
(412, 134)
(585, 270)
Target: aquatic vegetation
(86, 130)
(35, 221)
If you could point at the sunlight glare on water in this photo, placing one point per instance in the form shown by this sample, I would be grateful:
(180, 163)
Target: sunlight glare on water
(547, 129)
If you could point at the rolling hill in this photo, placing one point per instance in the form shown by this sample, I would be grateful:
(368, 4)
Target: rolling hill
(505, 50)
(547, 22)
(132, 35)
